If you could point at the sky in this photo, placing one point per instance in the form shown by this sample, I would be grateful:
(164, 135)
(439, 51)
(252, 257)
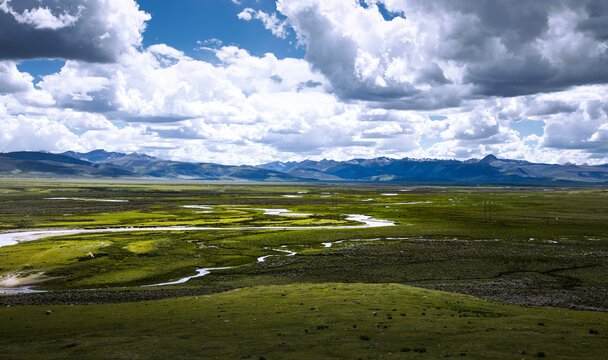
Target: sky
(255, 81)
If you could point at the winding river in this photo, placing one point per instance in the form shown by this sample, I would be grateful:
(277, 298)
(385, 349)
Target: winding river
(14, 238)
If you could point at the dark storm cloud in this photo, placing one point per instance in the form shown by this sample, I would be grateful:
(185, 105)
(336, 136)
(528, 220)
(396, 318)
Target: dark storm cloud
(550, 108)
(512, 77)
(435, 98)
(499, 43)
(89, 30)
(433, 75)
(501, 47)
(515, 23)
(597, 24)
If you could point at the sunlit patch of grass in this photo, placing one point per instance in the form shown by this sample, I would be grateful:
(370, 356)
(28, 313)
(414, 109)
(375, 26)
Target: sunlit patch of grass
(46, 254)
(143, 247)
(112, 259)
(220, 217)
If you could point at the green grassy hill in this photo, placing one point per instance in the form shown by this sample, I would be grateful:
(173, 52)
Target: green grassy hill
(301, 321)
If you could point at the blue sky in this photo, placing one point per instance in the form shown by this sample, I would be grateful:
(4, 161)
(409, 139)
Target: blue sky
(191, 21)
(41, 67)
(246, 82)
(193, 24)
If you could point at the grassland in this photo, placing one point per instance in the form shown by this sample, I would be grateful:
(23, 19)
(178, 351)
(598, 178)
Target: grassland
(329, 321)
(541, 246)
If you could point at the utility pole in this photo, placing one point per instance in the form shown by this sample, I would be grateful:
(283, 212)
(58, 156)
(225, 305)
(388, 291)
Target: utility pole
(490, 211)
(485, 216)
(487, 211)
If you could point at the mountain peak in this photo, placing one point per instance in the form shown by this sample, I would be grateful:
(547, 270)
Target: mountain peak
(489, 158)
(98, 151)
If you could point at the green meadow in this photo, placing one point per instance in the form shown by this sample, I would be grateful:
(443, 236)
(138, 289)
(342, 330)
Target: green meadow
(304, 321)
(474, 272)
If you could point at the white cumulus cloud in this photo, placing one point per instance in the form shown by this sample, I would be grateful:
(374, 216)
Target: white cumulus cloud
(270, 21)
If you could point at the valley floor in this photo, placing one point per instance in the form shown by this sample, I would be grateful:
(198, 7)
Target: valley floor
(348, 292)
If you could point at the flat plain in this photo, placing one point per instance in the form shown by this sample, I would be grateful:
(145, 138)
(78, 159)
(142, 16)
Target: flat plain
(474, 272)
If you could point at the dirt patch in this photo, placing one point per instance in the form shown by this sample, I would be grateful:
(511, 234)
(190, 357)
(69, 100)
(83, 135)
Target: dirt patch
(17, 279)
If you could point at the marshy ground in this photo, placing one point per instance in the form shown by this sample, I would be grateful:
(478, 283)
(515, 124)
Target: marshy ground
(539, 246)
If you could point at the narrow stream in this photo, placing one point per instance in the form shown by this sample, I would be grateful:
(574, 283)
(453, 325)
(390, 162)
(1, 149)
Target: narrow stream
(14, 238)
(199, 272)
(330, 244)
(205, 271)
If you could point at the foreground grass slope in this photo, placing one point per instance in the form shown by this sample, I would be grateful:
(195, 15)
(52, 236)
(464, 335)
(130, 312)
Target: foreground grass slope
(302, 321)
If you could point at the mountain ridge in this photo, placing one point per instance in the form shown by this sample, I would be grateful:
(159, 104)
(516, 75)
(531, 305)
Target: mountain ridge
(488, 170)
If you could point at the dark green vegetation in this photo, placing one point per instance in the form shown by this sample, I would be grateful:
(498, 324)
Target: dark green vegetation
(535, 273)
(328, 321)
(538, 247)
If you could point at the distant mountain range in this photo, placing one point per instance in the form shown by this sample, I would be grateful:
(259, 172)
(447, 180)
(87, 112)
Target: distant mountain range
(489, 170)
(100, 163)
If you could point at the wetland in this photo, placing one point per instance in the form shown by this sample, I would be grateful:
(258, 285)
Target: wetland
(112, 252)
